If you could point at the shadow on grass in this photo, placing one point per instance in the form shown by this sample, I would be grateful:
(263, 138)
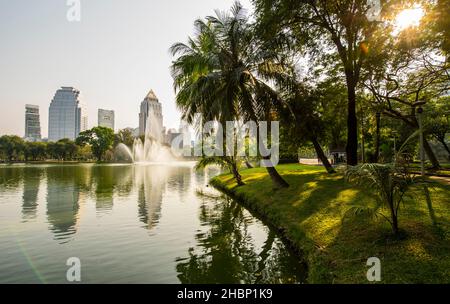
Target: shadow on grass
(421, 255)
(311, 213)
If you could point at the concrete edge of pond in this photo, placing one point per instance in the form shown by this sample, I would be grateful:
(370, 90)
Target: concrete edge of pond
(306, 251)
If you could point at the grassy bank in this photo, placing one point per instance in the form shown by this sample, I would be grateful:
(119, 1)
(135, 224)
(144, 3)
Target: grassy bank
(311, 214)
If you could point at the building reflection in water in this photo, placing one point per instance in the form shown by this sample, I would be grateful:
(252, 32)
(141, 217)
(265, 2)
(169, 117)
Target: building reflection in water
(179, 181)
(68, 186)
(63, 197)
(30, 192)
(151, 183)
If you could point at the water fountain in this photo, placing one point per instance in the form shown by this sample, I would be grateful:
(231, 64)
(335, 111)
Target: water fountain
(123, 154)
(152, 149)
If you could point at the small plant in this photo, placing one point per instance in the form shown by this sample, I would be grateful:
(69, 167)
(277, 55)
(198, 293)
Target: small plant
(227, 162)
(388, 182)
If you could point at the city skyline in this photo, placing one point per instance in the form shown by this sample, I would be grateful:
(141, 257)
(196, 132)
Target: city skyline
(113, 58)
(67, 116)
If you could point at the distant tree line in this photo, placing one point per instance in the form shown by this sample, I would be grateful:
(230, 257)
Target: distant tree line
(96, 144)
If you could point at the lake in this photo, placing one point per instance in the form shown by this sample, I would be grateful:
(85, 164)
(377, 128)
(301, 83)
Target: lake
(146, 223)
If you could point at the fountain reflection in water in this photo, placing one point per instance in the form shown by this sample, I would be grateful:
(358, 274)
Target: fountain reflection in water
(151, 150)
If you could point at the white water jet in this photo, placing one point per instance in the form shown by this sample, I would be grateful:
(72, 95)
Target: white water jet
(138, 150)
(153, 148)
(123, 153)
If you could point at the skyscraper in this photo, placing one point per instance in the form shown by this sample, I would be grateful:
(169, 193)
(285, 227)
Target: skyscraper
(151, 107)
(106, 118)
(67, 115)
(32, 123)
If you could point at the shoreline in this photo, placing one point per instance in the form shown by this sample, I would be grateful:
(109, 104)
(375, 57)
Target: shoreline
(311, 217)
(75, 162)
(302, 252)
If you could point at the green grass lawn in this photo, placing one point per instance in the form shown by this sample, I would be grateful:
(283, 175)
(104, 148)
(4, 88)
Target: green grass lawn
(311, 215)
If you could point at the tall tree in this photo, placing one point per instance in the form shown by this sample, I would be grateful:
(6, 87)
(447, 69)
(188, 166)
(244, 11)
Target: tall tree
(302, 109)
(12, 147)
(35, 150)
(124, 136)
(410, 81)
(413, 70)
(219, 73)
(100, 139)
(321, 26)
(437, 122)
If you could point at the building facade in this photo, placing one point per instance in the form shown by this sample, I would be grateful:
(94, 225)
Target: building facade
(151, 116)
(106, 118)
(32, 123)
(67, 115)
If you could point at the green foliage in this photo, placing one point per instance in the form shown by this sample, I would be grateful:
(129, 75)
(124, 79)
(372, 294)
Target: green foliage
(100, 139)
(124, 136)
(63, 149)
(387, 182)
(227, 162)
(437, 121)
(12, 147)
(338, 40)
(36, 151)
(84, 153)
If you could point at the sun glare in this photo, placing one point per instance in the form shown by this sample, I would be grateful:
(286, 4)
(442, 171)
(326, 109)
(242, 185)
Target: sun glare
(408, 18)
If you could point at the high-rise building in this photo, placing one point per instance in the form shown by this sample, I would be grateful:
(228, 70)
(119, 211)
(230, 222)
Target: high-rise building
(106, 118)
(32, 123)
(67, 115)
(151, 107)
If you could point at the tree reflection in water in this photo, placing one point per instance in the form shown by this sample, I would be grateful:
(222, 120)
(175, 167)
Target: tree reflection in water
(227, 252)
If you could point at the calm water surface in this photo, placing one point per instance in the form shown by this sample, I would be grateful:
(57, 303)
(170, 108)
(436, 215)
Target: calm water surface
(150, 223)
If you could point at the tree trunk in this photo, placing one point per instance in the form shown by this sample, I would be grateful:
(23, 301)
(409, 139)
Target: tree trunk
(431, 156)
(394, 218)
(395, 224)
(321, 155)
(377, 138)
(237, 175)
(248, 164)
(352, 125)
(276, 178)
(363, 143)
(444, 144)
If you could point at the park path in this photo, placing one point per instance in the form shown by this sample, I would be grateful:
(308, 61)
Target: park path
(444, 180)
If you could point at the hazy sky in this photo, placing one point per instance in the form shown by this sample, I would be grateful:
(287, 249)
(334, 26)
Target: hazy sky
(114, 56)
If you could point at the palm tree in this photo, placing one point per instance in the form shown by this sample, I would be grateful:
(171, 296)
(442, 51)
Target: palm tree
(218, 74)
(388, 183)
(224, 162)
